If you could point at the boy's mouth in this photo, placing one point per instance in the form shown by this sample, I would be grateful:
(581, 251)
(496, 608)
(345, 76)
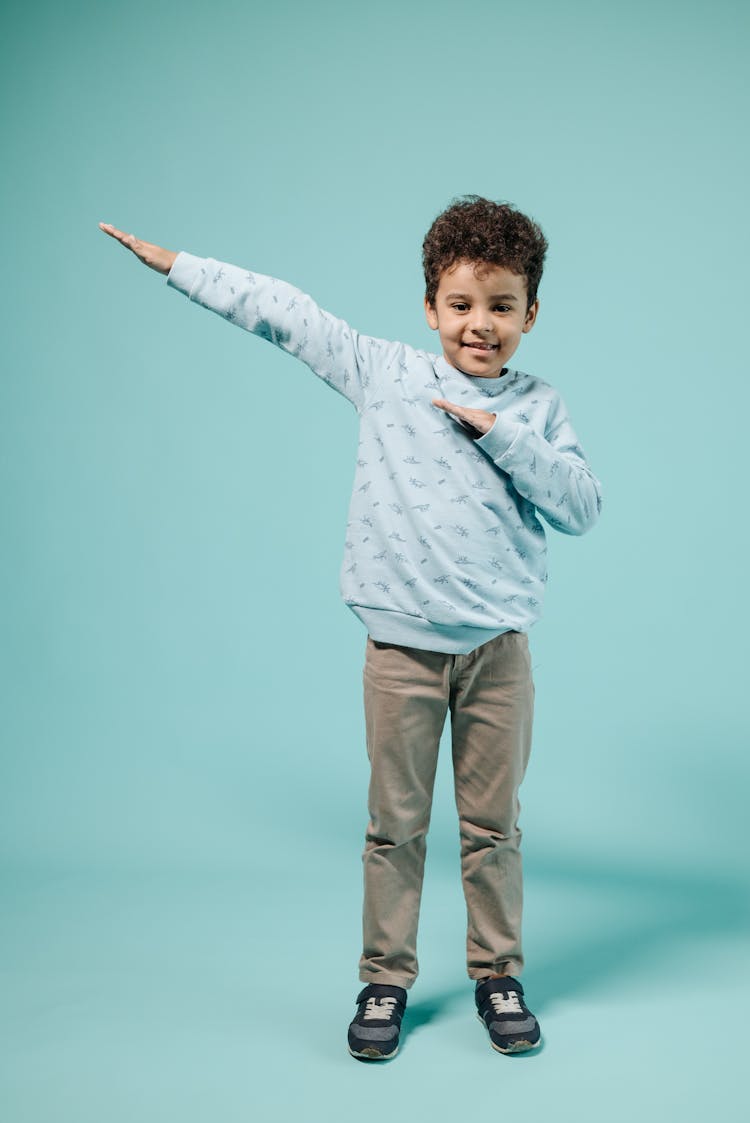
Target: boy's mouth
(481, 346)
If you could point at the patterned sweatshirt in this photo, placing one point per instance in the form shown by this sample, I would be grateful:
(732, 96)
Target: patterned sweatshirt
(444, 547)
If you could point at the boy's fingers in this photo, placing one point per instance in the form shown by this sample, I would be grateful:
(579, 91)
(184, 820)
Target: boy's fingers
(128, 240)
(113, 232)
(447, 406)
(477, 421)
(155, 257)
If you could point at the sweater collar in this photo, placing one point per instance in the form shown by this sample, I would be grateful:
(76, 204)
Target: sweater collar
(487, 387)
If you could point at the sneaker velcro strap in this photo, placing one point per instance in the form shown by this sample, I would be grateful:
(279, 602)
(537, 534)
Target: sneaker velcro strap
(382, 990)
(498, 986)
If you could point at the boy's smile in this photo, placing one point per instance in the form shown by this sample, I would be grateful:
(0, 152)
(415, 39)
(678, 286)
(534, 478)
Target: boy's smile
(480, 312)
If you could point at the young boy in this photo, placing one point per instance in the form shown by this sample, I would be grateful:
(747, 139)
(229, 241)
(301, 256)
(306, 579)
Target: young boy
(445, 566)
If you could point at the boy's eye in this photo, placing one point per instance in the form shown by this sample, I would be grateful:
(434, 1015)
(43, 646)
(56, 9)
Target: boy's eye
(461, 306)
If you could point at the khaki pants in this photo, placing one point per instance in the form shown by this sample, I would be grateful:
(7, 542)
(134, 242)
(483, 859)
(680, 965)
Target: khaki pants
(408, 692)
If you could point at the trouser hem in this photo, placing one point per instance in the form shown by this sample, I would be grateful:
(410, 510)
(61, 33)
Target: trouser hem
(509, 968)
(405, 981)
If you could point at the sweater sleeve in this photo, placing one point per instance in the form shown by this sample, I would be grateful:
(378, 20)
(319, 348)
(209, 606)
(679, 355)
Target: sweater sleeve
(549, 470)
(283, 315)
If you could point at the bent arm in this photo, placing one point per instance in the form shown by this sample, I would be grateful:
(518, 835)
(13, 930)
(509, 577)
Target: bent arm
(549, 470)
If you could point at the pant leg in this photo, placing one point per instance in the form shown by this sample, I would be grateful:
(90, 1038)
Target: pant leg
(406, 701)
(492, 702)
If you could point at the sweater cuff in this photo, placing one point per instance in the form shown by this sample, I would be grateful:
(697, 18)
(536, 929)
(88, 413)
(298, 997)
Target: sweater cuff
(500, 440)
(184, 271)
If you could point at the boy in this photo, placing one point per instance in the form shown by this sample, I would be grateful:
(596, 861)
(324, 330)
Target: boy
(445, 566)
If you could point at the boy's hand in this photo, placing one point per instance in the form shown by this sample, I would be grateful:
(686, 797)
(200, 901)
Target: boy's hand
(477, 419)
(154, 256)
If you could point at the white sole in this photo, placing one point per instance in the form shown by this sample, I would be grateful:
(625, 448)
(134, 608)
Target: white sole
(521, 1046)
(372, 1054)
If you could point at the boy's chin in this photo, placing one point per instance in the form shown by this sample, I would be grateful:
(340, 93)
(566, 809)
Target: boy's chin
(476, 368)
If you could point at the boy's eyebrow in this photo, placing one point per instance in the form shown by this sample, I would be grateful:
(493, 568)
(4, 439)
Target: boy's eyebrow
(465, 296)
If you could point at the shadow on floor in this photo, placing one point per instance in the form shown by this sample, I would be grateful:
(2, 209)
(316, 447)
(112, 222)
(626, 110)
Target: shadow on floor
(631, 919)
(634, 919)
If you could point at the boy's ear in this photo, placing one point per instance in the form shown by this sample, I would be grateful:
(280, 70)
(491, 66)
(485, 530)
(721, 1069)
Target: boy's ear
(431, 314)
(531, 316)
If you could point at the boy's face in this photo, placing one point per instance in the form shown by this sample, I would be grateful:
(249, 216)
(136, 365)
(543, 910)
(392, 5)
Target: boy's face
(480, 318)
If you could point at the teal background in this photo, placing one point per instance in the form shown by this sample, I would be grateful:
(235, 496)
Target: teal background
(183, 767)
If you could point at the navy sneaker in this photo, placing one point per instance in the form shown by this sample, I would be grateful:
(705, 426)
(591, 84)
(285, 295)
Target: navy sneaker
(373, 1035)
(511, 1025)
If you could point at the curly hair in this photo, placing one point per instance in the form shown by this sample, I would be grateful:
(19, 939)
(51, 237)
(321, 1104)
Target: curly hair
(477, 230)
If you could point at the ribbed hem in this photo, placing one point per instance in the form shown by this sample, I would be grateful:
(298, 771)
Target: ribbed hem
(413, 631)
(500, 441)
(184, 271)
(489, 387)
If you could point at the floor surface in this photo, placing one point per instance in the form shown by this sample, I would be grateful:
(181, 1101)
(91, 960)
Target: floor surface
(207, 996)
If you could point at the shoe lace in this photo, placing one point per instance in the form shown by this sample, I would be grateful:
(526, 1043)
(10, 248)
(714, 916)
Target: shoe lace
(506, 1003)
(380, 1008)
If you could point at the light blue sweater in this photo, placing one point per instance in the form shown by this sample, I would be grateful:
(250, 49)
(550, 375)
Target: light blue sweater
(444, 549)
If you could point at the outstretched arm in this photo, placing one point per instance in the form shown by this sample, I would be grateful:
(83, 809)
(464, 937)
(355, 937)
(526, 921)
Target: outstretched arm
(154, 256)
(272, 309)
